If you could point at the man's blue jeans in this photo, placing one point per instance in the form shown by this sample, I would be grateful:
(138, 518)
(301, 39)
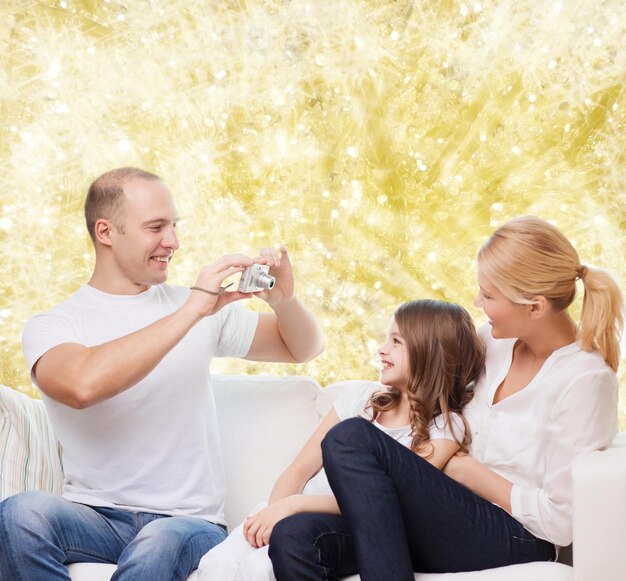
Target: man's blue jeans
(399, 515)
(40, 534)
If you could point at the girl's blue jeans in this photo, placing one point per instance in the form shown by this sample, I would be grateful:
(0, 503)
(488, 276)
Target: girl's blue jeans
(41, 533)
(400, 514)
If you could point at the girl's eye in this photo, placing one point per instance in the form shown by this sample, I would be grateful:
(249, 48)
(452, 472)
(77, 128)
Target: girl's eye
(397, 341)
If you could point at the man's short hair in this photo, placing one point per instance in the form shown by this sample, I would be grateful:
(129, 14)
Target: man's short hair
(105, 197)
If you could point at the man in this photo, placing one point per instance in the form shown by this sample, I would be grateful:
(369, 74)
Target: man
(123, 366)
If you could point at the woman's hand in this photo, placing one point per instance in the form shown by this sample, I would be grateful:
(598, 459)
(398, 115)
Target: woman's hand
(258, 528)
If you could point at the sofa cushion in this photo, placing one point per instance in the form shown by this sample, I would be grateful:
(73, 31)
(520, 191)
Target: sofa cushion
(543, 571)
(29, 452)
(264, 421)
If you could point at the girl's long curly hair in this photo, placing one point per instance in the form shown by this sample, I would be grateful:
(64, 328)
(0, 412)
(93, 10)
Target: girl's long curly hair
(446, 357)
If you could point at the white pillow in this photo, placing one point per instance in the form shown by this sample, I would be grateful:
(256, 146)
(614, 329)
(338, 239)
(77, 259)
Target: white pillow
(30, 456)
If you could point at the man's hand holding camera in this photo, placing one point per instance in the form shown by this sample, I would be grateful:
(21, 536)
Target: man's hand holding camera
(268, 276)
(280, 268)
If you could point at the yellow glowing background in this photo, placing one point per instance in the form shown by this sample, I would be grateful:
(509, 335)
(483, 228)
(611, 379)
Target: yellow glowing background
(382, 141)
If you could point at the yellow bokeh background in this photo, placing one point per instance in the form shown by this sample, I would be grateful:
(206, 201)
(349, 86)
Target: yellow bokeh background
(382, 141)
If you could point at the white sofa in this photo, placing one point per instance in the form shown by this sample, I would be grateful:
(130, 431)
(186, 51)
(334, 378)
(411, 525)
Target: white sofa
(265, 420)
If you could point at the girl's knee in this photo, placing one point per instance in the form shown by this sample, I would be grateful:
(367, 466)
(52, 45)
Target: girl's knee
(351, 432)
(287, 533)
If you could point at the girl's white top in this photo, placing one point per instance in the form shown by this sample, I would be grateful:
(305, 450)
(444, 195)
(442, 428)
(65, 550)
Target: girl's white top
(533, 437)
(353, 402)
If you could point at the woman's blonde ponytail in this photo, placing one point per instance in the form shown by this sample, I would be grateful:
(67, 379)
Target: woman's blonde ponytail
(602, 319)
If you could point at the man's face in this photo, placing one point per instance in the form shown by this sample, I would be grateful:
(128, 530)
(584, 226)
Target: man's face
(145, 242)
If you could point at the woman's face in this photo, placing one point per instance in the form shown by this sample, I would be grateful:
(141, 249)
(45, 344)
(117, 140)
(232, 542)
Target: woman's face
(394, 358)
(507, 319)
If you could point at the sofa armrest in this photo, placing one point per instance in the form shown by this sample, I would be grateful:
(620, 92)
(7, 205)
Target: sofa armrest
(600, 514)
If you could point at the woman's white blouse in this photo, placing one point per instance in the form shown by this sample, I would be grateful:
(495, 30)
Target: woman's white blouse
(532, 437)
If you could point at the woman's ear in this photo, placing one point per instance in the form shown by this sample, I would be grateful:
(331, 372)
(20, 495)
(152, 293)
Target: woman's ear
(538, 307)
(102, 230)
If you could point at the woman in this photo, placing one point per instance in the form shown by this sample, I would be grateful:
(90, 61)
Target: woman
(547, 395)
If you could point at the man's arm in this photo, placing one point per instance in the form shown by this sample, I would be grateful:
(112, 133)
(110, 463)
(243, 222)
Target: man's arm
(80, 376)
(291, 334)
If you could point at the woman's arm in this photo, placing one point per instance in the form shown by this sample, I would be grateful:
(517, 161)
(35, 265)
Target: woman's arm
(286, 498)
(443, 450)
(481, 480)
(583, 419)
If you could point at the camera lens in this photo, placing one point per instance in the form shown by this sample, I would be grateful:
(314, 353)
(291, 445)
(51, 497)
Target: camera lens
(265, 280)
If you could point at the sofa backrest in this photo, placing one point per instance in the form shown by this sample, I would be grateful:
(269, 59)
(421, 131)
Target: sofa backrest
(264, 421)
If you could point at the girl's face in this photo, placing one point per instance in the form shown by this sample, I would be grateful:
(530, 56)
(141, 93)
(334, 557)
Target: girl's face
(394, 358)
(507, 319)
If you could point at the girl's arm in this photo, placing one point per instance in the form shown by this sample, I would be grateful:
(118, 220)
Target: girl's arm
(286, 498)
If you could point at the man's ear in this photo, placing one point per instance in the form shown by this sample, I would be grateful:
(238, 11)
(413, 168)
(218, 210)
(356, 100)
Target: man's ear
(102, 230)
(538, 307)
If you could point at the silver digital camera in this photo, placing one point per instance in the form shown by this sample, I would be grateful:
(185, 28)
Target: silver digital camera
(256, 278)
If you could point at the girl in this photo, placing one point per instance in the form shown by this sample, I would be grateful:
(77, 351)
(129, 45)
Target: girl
(431, 356)
(548, 394)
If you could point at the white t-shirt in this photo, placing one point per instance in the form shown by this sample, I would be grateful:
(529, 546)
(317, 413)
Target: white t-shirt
(532, 437)
(353, 401)
(154, 447)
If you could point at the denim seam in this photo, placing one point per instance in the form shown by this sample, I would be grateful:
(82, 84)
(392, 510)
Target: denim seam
(5, 539)
(112, 530)
(93, 555)
(319, 552)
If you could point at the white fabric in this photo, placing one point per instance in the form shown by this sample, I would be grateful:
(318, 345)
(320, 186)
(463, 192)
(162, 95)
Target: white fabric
(600, 507)
(264, 421)
(543, 571)
(539, 571)
(283, 426)
(528, 572)
(29, 451)
(353, 401)
(154, 447)
(532, 437)
(236, 560)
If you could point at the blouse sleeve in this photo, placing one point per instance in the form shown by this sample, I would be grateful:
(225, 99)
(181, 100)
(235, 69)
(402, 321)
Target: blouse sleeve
(584, 419)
